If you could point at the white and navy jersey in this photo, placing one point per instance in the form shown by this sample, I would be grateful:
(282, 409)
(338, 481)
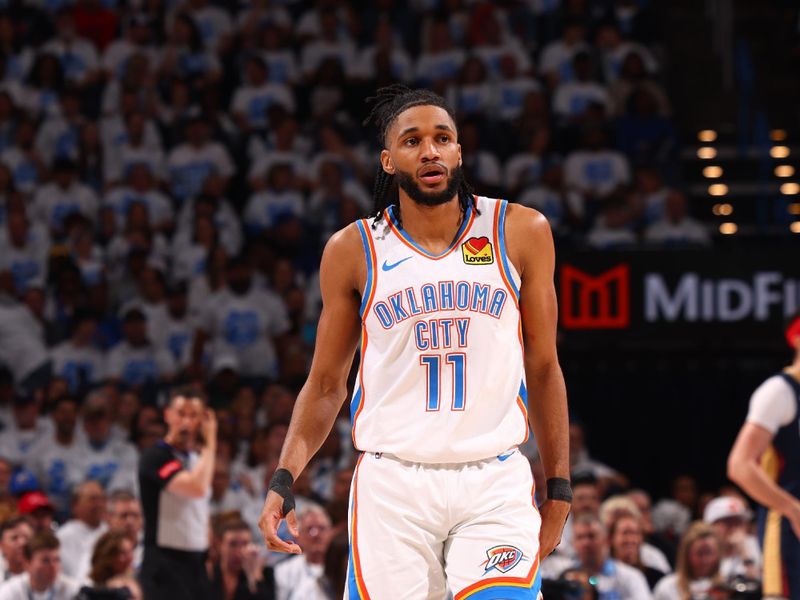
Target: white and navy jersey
(441, 378)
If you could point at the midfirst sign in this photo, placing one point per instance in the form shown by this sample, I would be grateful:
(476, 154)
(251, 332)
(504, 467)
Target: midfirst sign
(652, 291)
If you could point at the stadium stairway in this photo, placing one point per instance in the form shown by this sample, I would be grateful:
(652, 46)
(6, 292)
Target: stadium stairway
(740, 158)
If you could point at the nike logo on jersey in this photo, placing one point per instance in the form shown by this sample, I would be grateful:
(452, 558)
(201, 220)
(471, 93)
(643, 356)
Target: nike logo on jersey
(389, 267)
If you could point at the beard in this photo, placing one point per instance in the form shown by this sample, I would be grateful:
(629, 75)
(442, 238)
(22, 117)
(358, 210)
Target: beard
(409, 186)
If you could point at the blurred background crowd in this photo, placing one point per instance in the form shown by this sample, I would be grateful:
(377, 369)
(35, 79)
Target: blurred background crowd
(169, 173)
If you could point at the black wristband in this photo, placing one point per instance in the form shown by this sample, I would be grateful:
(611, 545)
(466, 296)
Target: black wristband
(281, 484)
(559, 488)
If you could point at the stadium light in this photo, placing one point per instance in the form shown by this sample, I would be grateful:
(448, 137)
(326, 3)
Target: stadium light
(725, 209)
(706, 152)
(779, 151)
(712, 172)
(728, 228)
(707, 135)
(778, 135)
(718, 189)
(793, 209)
(790, 189)
(795, 227)
(784, 171)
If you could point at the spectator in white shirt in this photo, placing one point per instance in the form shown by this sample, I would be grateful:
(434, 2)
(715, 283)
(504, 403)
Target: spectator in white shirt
(78, 360)
(186, 56)
(141, 189)
(315, 535)
(615, 49)
(24, 249)
(243, 322)
(192, 162)
(512, 88)
(278, 199)
(131, 148)
(137, 40)
(612, 226)
(23, 159)
(386, 45)
(178, 326)
(555, 62)
(151, 300)
(333, 43)
(58, 136)
(78, 535)
(42, 579)
(676, 227)
(573, 98)
(98, 455)
(215, 24)
(493, 42)
(596, 171)
(64, 196)
(22, 347)
(441, 60)
(53, 454)
(78, 56)
(15, 533)
(697, 569)
(135, 361)
(473, 94)
(280, 60)
(252, 100)
(23, 431)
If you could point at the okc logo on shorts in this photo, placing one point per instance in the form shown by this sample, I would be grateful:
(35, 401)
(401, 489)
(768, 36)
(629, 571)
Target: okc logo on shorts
(503, 558)
(477, 251)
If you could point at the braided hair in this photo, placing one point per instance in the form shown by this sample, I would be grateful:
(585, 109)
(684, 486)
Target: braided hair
(387, 104)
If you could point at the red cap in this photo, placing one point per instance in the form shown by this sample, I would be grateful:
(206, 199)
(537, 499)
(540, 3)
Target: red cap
(33, 501)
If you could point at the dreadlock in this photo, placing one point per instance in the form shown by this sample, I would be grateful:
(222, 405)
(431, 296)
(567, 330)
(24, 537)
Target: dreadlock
(387, 104)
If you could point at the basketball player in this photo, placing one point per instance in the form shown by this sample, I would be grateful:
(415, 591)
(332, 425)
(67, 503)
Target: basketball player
(765, 462)
(451, 298)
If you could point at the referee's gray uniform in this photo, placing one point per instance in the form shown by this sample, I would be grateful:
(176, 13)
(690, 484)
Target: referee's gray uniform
(175, 529)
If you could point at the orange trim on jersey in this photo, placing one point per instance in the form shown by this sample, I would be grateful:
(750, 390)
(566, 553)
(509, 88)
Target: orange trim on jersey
(374, 262)
(506, 277)
(362, 587)
(521, 582)
(447, 252)
(364, 341)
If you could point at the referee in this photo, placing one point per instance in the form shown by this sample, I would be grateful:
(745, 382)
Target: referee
(175, 486)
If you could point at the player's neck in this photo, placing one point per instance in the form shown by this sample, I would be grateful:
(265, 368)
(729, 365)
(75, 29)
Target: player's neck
(432, 227)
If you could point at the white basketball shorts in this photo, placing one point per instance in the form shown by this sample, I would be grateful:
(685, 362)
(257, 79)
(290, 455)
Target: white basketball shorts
(436, 531)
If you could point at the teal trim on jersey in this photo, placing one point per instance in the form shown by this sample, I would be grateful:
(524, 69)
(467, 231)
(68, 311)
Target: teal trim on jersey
(406, 237)
(355, 403)
(352, 586)
(370, 276)
(523, 393)
(501, 235)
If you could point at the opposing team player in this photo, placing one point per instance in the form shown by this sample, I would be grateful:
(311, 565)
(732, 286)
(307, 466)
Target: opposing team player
(451, 298)
(765, 462)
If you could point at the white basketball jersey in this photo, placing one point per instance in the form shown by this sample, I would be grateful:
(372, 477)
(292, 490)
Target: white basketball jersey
(441, 378)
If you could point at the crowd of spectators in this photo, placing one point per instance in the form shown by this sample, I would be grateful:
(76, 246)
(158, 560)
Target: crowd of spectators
(169, 172)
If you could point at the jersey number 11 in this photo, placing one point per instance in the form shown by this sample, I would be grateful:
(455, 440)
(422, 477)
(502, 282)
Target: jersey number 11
(433, 369)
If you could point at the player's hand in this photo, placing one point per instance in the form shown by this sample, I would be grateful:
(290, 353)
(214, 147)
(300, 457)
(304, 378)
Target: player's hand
(209, 426)
(271, 517)
(554, 516)
(794, 519)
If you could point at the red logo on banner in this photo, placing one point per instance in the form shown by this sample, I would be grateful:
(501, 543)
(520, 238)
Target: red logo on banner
(595, 301)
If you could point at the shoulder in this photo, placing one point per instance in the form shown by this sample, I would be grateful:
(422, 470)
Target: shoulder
(529, 239)
(344, 253)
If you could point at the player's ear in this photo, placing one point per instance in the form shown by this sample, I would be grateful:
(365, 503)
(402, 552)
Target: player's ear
(386, 162)
(458, 146)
